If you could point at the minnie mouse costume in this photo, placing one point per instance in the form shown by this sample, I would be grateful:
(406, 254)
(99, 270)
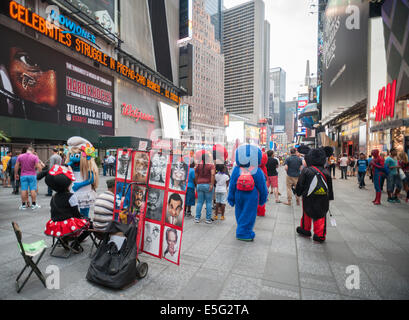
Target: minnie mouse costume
(66, 219)
(261, 210)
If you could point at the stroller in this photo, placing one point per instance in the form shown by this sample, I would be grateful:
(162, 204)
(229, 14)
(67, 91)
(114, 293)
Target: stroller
(115, 264)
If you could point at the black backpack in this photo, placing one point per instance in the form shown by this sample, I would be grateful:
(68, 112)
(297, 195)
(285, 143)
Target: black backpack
(318, 185)
(115, 267)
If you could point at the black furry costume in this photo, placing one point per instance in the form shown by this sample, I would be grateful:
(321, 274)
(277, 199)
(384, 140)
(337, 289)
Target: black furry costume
(315, 207)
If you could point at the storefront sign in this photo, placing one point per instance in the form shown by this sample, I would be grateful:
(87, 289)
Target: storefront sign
(226, 119)
(41, 84)
(48, 29)
(129, 111)
(386, 102)
(183, 116)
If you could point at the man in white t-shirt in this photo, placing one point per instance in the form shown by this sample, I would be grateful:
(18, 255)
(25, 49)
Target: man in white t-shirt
(343, 165)
(111, 165)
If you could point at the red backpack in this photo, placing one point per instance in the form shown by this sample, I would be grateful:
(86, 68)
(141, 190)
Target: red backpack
(245, 182)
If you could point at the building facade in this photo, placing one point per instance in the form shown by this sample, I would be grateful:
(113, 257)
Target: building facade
(108, 77)
(245, 52)
(214, 8)
(207, 100)
(278, 92)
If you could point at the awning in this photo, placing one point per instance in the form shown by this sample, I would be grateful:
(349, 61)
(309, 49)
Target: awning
(124, 142)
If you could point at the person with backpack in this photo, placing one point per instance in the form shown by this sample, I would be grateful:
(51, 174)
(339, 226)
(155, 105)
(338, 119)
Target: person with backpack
(315, 187)
(247, 190)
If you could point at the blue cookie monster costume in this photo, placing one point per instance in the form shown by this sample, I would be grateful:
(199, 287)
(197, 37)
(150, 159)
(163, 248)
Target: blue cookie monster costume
(246, 202)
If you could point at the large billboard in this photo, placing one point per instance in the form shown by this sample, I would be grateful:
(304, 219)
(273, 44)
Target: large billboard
(344, 54)
(39, 83)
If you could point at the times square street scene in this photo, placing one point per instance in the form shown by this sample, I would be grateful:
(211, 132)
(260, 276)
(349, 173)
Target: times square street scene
(204, 155)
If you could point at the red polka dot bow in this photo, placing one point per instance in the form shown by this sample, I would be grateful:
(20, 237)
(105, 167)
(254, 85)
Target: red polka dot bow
(57, 169)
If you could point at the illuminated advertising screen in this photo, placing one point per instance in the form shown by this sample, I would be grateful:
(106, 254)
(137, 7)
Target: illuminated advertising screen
(58, 90)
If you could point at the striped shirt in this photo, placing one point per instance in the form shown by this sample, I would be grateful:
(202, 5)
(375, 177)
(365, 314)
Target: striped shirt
(103, 210)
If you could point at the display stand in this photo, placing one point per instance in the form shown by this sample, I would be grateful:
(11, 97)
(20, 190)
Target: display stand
(150, 191)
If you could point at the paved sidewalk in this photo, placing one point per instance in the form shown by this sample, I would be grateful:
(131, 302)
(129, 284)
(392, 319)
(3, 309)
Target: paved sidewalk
(214, 265)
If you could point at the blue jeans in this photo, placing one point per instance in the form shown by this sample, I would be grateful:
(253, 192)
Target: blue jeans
(203, 194)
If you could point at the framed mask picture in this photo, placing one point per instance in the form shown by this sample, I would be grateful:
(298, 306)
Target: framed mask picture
(171, 244)
(154, 205)
(158, 168)
(151, 238)
(140, 167)
(124, 164)
(179, 171)
(174, 209)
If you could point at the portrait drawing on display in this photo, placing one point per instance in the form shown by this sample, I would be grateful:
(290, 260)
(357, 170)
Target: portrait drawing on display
(174, 209)
(124, 164)
(151, 242)
(157, 174)
(140, 167)
(137, 203)
(154, 204)
(178, 173)
(171, 244)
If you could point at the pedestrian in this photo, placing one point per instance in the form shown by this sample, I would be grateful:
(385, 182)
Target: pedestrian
(104, 207)
(105, 165)
(10, 168)
(383, 156)
(292, 166)
(343, 165)
(247, 190)
(54, 159)
(379, 174)
(190, 191)
(222, 181)
(351, 166)
(404, 164)
(204, 181)
(29, 163)
(362, 165)
(315, 187)
(272, 174)
(332, 162)
(6, 178)
(111, 165)
(394, 182)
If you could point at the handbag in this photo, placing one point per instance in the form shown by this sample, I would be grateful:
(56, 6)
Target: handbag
(402, 174)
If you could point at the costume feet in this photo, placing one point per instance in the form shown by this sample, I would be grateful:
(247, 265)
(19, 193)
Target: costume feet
(303, 232)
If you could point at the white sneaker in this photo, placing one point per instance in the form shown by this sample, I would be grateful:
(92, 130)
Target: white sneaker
(36, 206)
(22, 207)
(208, 221)
(197, 220)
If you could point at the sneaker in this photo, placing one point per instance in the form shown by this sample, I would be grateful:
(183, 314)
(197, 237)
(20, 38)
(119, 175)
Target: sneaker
(22, 207)
(215, 217)
(35, 206)
(396, 200)
(391, 200)
(197, 220)
(209, 221)
(222, 218)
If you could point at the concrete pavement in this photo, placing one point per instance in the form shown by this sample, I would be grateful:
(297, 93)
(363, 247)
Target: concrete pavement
(279, 264)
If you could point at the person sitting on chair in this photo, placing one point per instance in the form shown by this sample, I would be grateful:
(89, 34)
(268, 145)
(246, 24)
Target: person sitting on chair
(66, 220)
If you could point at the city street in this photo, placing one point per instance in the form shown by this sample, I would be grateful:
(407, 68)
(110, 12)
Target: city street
(279, 264)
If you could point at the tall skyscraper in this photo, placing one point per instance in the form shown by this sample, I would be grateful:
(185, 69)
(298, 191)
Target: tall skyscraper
(277, 90)
(207, 100)
(246, 54)
(214, 9)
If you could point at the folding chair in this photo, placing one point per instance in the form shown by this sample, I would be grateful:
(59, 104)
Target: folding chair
(29, 251)
(62, 242)
(96, 236)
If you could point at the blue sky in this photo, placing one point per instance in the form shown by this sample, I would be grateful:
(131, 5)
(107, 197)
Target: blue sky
(293, 38)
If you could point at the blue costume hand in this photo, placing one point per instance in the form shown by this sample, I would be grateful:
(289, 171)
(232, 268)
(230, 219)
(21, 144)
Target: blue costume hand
(76, 186)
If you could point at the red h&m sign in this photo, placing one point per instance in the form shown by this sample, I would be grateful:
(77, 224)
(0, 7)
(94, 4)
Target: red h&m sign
(386, 102)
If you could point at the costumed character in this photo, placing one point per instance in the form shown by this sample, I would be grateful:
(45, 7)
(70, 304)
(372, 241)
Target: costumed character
(261, 210)
(247, 189)
(81, 161)
(379, 174)
(315, 186)
(66, 220)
